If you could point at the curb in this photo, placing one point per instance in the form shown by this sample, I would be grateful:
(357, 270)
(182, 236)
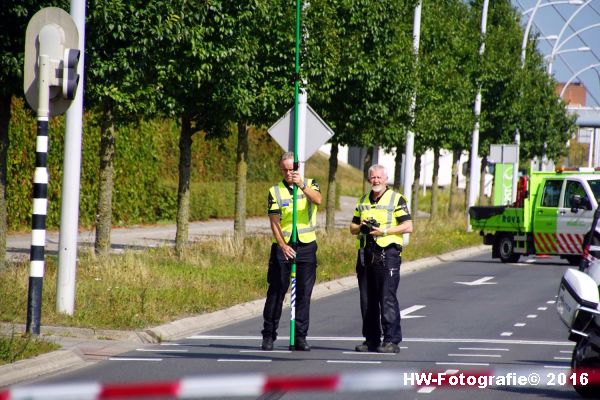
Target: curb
(71, 358)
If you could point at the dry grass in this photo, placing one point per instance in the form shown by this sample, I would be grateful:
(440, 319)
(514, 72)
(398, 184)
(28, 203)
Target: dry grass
(140, 289)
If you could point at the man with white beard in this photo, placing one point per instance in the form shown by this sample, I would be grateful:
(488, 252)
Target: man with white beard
(380, 218)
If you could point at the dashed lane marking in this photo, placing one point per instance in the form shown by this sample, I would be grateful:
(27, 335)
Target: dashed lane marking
(484, 348)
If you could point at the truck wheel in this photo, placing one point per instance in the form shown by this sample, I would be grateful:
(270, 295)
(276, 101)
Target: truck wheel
(506, 248)
(573, 260)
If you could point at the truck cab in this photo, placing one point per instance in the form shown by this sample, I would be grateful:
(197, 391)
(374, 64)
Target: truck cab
(552, 217)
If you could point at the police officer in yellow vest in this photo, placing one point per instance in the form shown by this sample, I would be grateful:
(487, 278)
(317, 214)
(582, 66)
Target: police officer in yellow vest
(380, 218)
(280, 203)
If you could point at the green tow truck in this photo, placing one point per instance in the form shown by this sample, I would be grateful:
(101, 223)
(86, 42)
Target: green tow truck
(552, 215)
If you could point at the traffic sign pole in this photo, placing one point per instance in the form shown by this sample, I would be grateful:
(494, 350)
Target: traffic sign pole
(294, 239)
(50, 84)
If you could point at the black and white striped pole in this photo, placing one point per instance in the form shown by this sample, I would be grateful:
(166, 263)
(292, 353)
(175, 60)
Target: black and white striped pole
(50, 58)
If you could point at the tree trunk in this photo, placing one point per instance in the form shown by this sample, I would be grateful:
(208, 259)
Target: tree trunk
(398, 169)
(415, 188)
(453, 181)
(5, 102)
(482, 199)
(105, 182)
(434, 183)
(239, 224)
(183, 189)
(331, 187)
(367, 164)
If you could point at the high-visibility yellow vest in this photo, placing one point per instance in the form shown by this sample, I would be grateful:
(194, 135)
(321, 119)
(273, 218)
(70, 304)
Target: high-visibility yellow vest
(306, 213)
(382, 212)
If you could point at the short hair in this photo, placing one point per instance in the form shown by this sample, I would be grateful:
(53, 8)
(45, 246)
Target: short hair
(378, 167)
(288, 155)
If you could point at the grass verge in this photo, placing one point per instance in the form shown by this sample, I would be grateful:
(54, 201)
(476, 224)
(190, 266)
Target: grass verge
(141, 289)
(15, 347)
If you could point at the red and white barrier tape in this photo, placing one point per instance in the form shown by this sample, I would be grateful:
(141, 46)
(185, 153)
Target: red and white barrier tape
(258, 384)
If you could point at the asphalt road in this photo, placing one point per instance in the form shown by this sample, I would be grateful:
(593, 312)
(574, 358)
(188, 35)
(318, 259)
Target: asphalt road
(468, 316)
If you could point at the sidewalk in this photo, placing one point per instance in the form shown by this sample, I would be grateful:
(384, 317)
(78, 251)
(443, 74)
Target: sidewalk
(139, 237)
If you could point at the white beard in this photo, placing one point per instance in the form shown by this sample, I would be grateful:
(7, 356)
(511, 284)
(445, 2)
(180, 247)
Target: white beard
(378, 188)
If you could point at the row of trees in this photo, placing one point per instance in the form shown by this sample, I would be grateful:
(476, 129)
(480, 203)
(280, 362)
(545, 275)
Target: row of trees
(218, 63)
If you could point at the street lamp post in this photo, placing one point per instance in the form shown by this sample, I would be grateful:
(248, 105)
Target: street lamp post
(474, 172)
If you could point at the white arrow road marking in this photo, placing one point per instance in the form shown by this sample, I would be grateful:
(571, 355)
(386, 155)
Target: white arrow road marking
(405, 313)
(478, 282)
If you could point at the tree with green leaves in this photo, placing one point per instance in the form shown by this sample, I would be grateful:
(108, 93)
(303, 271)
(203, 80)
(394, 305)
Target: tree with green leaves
(120, 82)
(443, 114)
(364, 95)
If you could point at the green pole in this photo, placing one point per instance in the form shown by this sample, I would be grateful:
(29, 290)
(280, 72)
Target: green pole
(294, 238)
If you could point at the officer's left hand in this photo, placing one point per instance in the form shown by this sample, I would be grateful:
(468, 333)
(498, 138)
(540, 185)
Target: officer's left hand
(377, 232)
(297, 179)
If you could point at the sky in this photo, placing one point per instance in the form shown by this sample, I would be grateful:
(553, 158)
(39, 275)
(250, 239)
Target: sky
(577, 48)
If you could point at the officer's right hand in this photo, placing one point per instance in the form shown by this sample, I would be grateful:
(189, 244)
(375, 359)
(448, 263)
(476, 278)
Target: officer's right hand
(288, 252)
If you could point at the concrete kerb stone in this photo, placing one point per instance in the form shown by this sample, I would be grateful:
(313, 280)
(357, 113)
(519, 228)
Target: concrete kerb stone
(41, 365)
(179, 329)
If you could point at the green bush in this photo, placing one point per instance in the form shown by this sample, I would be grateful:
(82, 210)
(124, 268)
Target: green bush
(145, 171)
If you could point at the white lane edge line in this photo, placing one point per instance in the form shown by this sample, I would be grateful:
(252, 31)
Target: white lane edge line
(557, 367)
(266, 351)
(563, 358)
(474, 355)
(242, 360)
(483, 348)
(420, 340)
(162, 350)
(463, 363)
(352, 362)
(133, 359)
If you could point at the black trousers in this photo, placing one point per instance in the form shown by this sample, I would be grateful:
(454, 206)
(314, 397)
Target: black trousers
(278, 278)
(378, 273)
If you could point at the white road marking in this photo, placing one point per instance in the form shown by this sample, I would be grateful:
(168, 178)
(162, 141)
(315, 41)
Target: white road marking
(352, 362)
(542, 308)
(478, 282)
(532, 316)
(565, 351)
(405, 313)
(530, 260)
(563, 358)
(170, 344)
(265, 351)
(242, 360)
(551, 302)
(461, 363)
(423, 340)
(371, 352)
(473, 355)
(483, 348)
(506, 334)
(162, 351)
(557, 367)
(519, 324)
(134, 359)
